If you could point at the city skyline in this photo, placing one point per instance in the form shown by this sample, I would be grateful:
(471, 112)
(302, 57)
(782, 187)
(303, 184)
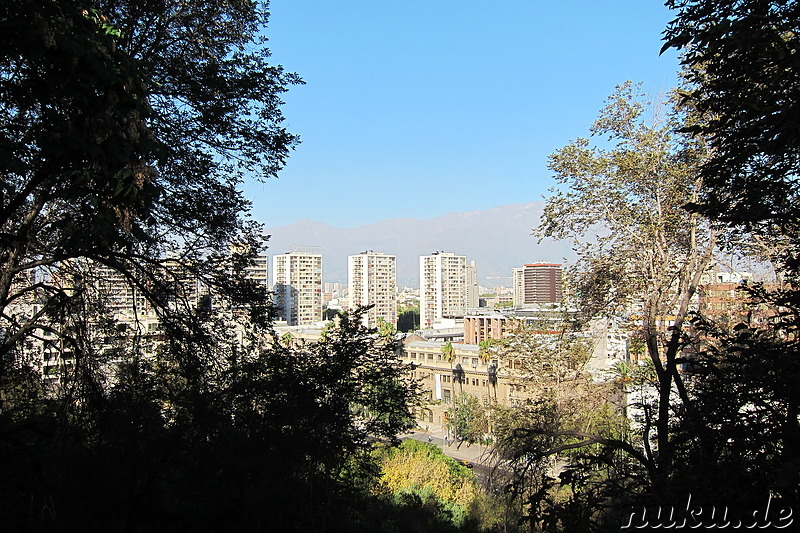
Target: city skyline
(498, 239)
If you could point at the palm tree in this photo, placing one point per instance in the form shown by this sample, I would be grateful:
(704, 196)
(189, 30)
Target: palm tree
(287, 339)
(449, 354)
(485, 350)
(485, 354)
(457, 372)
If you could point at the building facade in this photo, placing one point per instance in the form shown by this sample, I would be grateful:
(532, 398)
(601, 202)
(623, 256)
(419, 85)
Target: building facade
(443, 378)
(442, 287)
(297, 286)
(372, 280)
(538, 283)
(493, 380)
(472, 289)
(259, 270)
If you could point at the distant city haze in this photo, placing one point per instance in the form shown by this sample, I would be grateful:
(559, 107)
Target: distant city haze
(497, 239)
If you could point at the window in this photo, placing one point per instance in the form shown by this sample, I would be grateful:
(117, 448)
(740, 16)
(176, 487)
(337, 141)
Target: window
(446, 395)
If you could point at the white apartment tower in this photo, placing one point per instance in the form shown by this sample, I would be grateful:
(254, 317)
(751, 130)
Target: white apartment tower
(442, 287)
(259, 270)
(372, 280)
(472, 290)
(518, 282)
(297, 285)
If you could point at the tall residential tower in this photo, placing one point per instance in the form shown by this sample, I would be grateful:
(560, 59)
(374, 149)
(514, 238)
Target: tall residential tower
(537, 283)
(297, 285)
(372, 280)
(442, 287)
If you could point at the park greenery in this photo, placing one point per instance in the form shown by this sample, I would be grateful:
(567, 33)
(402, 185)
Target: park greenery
(711, 170)
(407, 318)
(128, 128)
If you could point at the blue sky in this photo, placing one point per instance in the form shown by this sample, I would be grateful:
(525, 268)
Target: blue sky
(422, 108)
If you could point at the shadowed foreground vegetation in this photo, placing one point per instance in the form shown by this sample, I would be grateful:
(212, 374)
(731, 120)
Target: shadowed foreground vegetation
(128, 127)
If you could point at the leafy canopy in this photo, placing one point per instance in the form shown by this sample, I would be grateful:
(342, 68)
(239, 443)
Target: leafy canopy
(742, 66)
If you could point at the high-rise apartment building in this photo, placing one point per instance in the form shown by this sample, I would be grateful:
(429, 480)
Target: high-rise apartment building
(537, 283)
(472, 290)
(442, 287)
(333, 286)
(297, 285)
(518, 285)
(259, 270)
(372, 280)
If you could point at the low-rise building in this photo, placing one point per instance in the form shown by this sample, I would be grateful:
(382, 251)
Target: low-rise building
(443, 377)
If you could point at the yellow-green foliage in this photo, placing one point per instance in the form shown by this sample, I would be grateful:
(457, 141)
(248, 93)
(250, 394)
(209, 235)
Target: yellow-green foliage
(416, 466)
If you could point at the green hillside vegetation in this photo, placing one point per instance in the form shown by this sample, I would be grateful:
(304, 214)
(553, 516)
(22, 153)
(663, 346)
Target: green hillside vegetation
(419, 472)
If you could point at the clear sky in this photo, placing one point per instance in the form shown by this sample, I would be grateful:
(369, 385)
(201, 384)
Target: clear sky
(422, 108)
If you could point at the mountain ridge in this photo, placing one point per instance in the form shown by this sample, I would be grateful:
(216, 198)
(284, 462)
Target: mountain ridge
(497, 239)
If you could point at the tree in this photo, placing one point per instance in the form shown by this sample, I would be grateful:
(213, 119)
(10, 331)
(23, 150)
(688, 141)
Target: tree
(127, 129)
(277, 436)
(470, 421)
(408, 318)
(416, 465)
(129, 126)
(449, 353)
(558, 420)
(385, 329)
(741, 65)
(649, 255)
(485, 349)
(743, 73)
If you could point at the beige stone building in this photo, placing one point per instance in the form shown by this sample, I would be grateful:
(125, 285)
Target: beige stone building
(494, 381)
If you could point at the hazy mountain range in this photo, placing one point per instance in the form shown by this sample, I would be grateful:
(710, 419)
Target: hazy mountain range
(497, 239)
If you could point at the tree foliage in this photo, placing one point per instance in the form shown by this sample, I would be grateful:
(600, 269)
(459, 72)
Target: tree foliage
(127, 129)
(742, 66)
(741, 442)
(407, 318)
(627, 186)
(562, 423)
(469, 421)
(649, 249)
(241, 448)
(416, 465)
